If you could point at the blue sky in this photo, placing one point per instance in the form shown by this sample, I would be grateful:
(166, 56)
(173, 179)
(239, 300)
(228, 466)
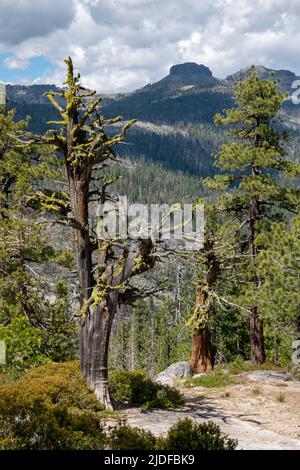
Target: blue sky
(26, 73)
(120, 45)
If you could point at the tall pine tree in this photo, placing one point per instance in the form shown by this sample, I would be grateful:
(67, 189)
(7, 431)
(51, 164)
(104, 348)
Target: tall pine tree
(251, 164)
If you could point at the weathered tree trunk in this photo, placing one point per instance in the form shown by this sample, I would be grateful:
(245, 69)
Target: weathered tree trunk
(256, 326)
(202, 357)
(97, 316)
(257, 338)
(79, 201)
(201, 360)
(178, 295)
(98, 344)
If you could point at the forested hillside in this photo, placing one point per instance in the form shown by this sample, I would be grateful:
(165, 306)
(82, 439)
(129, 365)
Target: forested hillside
(175, 115)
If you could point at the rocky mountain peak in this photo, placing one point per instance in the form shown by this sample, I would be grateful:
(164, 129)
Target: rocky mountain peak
(190, 68)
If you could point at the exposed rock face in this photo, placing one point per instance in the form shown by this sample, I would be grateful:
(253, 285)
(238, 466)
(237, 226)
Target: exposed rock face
(186, 75)
(269, 374)
(190, 68)
(180, 370)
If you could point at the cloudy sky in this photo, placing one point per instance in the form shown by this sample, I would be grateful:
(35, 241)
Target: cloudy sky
(120, 45)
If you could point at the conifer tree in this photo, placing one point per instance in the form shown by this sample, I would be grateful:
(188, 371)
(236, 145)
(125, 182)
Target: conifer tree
(279, 292)
(250, 165)
(217, 265)
(105, 265)
(24, 244)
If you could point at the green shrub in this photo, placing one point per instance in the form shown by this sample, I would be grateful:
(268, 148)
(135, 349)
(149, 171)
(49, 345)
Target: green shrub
(295, 372)
(188, 435)
(23, 345)
(60, 383)
(125, 437)
(217, 378)
(50, 407)
(238, 365)
(36, 424)
(5, 378)
(137, 389)
(184, 435)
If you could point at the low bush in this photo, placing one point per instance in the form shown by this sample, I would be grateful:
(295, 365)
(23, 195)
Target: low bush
(295, 372)
(5, 378)
(50, 407)
(60, 383)
(184, 435)
(137, 389)
(217, 378)
(36, 424)
(124, 437)
(239, 365)
(188, 435)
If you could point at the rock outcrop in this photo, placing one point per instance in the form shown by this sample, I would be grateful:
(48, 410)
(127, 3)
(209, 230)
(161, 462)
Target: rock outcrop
(181, 370)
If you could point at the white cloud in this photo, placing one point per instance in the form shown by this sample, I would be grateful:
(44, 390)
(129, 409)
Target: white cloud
(123, 44)
(13, 63)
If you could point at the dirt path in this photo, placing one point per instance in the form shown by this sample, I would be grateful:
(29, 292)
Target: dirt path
(249, 411)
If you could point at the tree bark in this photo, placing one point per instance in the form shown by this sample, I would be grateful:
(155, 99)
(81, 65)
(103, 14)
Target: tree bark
(202, 357)
(98, 344)
(256, 338)
(256, 326)
(79, 202)
(201, 360)
(96, 323)
(97, 317)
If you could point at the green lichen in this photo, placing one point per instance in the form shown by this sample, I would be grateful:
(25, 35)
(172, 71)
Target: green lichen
(140, 264)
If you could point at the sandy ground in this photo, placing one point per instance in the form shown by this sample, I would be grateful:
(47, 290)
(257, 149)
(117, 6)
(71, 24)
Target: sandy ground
(258, 420)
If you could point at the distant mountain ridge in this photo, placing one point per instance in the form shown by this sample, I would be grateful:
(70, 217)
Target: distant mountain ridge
(285, 77)
(180, 75)
(183, 103)
(187, 74)
(30, 94)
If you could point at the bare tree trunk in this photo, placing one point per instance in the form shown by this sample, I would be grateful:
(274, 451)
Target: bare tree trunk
(99, 335)
(256, 326)
(257, 338)
(178, 294)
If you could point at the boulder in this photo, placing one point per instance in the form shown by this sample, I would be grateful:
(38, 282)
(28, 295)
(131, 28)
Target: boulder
(181, 370)
(200, 374)
(269, 374)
